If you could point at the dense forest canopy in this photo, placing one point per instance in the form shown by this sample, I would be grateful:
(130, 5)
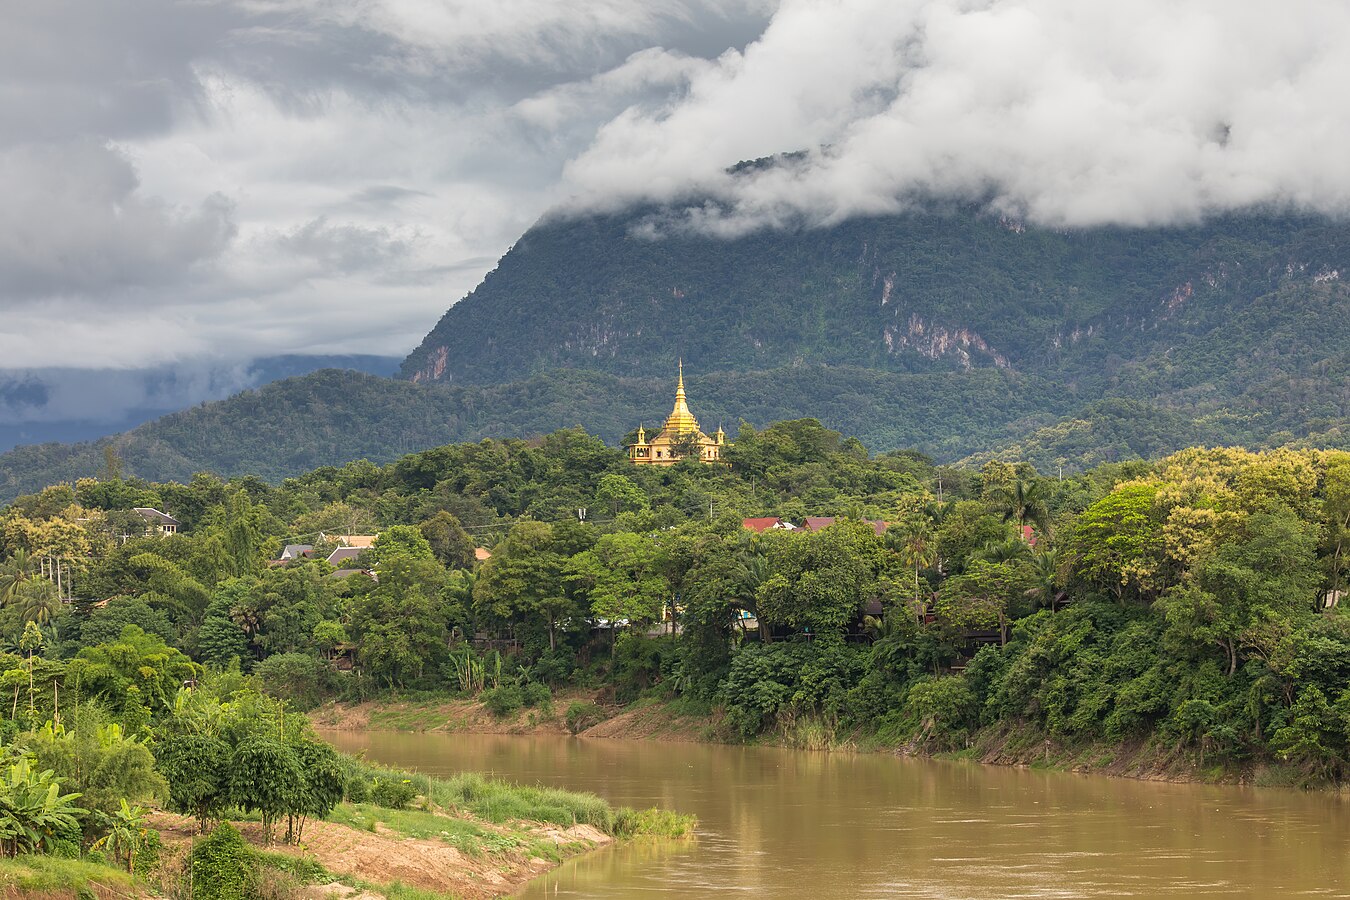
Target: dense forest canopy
(1190, 603)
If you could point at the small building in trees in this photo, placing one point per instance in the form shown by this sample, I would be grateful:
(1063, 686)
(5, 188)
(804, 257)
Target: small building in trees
(160, 523)
(767, 523)
(680, 438)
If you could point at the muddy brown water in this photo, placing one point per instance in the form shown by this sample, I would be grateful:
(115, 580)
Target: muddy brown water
(793, 824)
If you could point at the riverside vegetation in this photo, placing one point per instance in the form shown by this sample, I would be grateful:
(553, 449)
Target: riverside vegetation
(1185, 610)
(73, 813)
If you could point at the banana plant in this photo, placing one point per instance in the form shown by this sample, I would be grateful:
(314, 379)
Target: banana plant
(126, 834)
(33, 809)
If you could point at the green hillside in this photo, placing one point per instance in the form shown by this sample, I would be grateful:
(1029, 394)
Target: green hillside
(911, 293)
(957, 334)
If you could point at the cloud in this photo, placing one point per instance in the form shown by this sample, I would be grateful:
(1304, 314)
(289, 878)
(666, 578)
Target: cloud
(1067, 113)
(238, 178)
(74, 220)
(241, 178)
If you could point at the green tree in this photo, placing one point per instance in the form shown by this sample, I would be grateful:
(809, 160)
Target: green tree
(525, 576)
(266, 778)
(1117, 542)
(220, 639)
(324, 786)
(918, 549)
(401, 540)
(1269, 576)
(622, 577)
(1022, 502)
(449, 541)
(196, 767)
(619, 494)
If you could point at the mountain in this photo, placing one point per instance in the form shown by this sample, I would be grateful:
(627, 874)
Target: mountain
(937, 291)
(957, 333)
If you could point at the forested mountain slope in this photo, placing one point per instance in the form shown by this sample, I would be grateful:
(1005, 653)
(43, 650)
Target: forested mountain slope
(938, 291)
(958, 334)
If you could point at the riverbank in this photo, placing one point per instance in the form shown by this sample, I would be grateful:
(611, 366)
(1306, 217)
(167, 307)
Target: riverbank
(365, 852)
(998, 745)
(399, 835)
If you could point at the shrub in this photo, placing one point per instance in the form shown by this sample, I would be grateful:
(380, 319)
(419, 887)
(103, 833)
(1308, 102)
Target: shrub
(148, 857)
(504, 700)
(942, 710)
(358, 790)
(582, 715)
(221, 867)
(554, 666)
(392, 793)
(66, 841)
(536, 694)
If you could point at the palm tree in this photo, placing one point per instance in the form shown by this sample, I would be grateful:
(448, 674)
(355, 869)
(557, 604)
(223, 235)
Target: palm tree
(918, 548)
(15, 572)
(1003, 551)
(1047, 589)
(753, 569)
(36, 600)
(1023, 502)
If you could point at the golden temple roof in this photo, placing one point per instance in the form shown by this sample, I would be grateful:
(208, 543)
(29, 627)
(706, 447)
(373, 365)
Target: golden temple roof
(681, 420)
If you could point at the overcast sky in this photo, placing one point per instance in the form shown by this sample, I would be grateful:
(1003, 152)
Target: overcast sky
(222, 179)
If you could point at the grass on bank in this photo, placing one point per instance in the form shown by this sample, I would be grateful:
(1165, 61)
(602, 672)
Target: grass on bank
(501, 802)
(51, 873)
(465, 835)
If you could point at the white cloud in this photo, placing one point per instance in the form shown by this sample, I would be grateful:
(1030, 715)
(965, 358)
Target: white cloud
(1070, 113)
(236, 178)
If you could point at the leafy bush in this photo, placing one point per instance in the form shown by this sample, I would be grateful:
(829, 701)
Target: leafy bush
(777, 680)
(98, 759)
(582, 715)
(536, 694)
(942, 710)
(303, 679)
(221, 866)
(358, 790)
(504, 700)
(554, 666)
(392, 793)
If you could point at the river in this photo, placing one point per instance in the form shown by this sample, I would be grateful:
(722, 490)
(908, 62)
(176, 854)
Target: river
(816, 826)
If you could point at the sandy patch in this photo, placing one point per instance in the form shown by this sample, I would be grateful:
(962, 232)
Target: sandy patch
(652, 723)
(383, 857)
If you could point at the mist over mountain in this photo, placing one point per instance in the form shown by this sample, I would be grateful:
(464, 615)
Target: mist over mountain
(42, 405)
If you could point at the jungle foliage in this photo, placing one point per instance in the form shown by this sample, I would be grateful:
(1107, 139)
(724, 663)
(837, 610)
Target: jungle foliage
(1191, 603)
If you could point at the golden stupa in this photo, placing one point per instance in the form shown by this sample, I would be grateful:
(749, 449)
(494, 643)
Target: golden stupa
(679, 438)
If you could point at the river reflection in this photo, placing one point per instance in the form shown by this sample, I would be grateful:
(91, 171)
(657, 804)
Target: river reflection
(781, 823)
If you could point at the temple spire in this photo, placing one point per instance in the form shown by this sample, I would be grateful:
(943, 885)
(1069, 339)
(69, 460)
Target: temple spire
(681, 420)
